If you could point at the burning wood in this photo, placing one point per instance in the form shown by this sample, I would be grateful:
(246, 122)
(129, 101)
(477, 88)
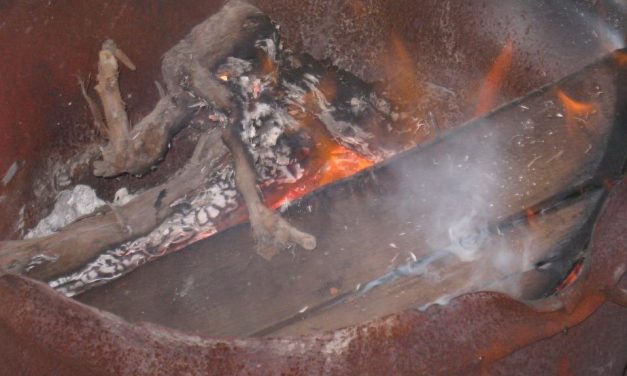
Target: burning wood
(483, 207)
(292, 123)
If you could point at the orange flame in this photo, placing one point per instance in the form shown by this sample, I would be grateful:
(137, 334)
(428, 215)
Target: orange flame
(572, 276)
(576, 111)
(621, 58)
(342, 163)
(493, 81)
(401, 71)
(330, 166)
(328, 162)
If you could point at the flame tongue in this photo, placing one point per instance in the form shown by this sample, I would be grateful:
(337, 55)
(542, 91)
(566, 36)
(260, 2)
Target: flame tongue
(329, 162)
(493, 81)
(577, 113)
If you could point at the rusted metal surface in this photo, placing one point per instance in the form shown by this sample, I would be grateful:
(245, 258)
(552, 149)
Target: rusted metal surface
(42, 332)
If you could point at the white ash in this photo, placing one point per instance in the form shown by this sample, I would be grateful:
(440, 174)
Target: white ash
(346, 133)
(70, 205)
(262, 131)
(264, 124)
(269, 47)
(123, 197)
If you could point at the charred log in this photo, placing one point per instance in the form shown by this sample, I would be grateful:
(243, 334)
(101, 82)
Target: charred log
(84, 239)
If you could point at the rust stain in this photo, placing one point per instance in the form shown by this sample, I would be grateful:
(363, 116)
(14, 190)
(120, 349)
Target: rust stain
(563, 368)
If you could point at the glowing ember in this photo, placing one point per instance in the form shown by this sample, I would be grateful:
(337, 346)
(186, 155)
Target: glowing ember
(493, 81)
(342, 163)
(572, 276)
(332, 162)
(576, 112)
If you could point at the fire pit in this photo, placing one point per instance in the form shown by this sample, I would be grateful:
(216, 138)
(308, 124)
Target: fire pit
(439, 152)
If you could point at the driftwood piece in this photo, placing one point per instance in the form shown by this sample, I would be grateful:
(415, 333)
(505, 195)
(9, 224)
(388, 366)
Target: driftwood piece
(271, 232)
(186, 73)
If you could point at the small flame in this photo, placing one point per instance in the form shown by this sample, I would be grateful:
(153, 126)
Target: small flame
(401, 70)
(493, 81)
(342, 163)
(621, 58)
(330, 163)
(339, 164)
(577, 112)
(572, 276)
(328, 160)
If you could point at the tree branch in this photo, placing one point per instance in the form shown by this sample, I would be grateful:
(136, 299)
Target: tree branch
(271, 232)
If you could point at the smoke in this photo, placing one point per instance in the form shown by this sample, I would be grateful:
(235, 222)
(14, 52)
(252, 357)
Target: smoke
(457, 191)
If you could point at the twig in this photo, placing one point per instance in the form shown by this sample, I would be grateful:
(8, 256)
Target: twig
(99, 122)
(271, 232)
(130, 151)
(136, 150)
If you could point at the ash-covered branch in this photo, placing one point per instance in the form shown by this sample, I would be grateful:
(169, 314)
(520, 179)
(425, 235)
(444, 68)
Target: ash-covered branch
(271, 232)
(82, 240)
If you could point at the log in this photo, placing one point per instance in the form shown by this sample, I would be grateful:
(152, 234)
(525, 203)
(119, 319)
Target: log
(84, 239)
